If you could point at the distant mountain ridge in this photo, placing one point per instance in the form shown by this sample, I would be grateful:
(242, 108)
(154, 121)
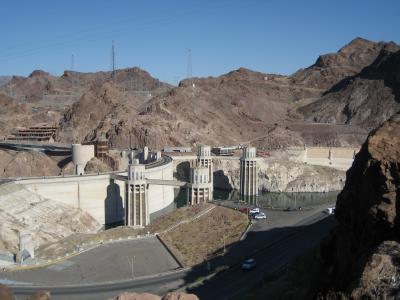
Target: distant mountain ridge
(39, 82)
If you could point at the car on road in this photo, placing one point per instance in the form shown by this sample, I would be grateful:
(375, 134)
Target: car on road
(249, 264)
(330, 210)
(254, 210)
(260, 216)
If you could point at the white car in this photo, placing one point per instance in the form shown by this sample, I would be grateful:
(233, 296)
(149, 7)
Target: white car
(254, 210)
(260, 216)
(330, 210)
(249, 264)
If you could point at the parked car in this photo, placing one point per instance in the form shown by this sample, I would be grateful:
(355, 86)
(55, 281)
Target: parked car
(260, 216)
(249, 264)
(244, 210)
(330, 210)
(254, 210)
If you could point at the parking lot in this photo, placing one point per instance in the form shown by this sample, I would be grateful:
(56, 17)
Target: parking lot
(109, 262)
(278, 218)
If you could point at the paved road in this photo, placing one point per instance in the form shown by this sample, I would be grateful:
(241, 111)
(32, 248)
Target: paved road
(236, 282)
(275, 249)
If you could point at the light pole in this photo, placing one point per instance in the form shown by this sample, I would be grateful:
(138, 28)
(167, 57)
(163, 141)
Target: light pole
(132, 261)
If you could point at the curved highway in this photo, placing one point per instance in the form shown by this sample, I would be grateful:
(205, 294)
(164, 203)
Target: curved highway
(50, 149)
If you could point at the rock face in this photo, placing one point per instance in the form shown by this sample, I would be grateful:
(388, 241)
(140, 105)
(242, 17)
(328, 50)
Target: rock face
(329, 69)
(146, 296)
(363, 253)
(26, 163)
(41, 295)
(278, 175)
(95, 165)
(368, 98)
(6, 293)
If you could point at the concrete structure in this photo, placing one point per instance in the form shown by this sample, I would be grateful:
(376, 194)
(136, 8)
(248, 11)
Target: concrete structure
(340, 158)
(26, 244)
(199, 190)
(177, 149)
(145, 154)
(204, 160)
(102, 195)
(101, 147)
(40, 132)
(81, 154)
(136, 198)
(248, 173)
(79, 169)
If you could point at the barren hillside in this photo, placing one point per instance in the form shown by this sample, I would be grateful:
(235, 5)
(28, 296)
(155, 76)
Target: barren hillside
(367, 98)
(330, 68)
(232, 108)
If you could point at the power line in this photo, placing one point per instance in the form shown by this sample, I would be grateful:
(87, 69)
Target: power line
(95, 33)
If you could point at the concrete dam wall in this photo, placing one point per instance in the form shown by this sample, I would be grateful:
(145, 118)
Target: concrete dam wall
(340, 158)
(99, 194)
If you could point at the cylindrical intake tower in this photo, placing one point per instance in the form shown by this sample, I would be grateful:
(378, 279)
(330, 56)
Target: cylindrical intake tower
(199, 190)
(248, 173)
(136, 203)
(204, 159)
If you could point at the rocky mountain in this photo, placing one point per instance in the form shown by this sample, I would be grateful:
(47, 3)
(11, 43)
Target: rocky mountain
(242, 106)
(14, 113)
(330, 68)
(228, 109)
(4, 79)
(367, 98)
(40, 83)
(361, 257)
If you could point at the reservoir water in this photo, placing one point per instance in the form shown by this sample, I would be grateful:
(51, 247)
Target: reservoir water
(279, 200)
(268, 200)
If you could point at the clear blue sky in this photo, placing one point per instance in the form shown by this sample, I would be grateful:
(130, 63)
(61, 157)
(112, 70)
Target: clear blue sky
(269, 36)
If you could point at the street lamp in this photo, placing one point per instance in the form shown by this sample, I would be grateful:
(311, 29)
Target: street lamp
(131, 263)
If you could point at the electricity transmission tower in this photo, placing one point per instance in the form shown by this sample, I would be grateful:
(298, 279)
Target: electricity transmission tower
(114, 72)
(189, 66)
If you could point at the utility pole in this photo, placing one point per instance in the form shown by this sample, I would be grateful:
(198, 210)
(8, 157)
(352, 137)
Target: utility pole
(189, 74)
(132, 261)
